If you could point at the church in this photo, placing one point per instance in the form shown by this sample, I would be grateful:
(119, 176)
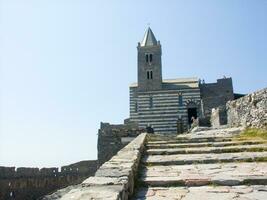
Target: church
(166, 105)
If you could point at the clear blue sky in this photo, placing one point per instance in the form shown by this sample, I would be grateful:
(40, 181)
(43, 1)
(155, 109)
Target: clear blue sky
(66, 65)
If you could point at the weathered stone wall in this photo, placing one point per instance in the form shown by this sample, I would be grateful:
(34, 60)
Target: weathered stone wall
(31, 183)
(112, 138)
(114, 180)
(218, 117)
(216, 94)
(248, 111)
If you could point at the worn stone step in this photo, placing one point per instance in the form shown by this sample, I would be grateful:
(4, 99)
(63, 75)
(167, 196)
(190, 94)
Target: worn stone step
(192, 140)
(205, 174)
(204, 144)
(205, 134)
(182, 159)
(243, 192)
(227, 149)
(186, 139)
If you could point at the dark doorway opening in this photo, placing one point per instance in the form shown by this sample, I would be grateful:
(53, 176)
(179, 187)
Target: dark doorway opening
(192, 112)
(149, 129)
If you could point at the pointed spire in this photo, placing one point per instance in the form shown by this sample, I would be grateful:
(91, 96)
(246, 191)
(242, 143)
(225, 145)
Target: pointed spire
(149, 38)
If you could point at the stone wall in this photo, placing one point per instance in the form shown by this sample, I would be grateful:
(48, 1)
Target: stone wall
(114, 180)
(248, 111)
(218, 117)
(216, 94)
(112, 138)
(31, 183)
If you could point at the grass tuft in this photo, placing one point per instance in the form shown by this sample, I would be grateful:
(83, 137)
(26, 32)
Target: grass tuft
(253, 133)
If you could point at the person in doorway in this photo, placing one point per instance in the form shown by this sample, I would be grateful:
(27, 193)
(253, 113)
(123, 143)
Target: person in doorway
(192, 120)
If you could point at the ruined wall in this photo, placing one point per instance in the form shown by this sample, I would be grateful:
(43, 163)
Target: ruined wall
(31, 183)
(112, 138)
(248, 111)
(218, 117)
(216, 94)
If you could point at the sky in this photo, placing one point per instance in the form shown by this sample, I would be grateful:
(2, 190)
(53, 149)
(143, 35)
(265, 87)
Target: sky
(66, 65)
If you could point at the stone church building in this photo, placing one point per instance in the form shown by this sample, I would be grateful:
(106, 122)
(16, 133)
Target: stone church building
(167, 104)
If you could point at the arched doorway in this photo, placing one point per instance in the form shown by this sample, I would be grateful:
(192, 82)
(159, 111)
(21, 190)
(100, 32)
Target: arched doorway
(192, 114)
(149, 129)
(192, 111)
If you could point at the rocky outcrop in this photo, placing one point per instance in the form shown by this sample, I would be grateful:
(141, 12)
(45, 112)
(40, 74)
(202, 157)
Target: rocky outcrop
(248, 111)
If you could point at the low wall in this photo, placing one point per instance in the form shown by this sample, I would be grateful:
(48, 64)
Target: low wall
(113, 137)
(114, 180)
(248, 111)
(30, 183)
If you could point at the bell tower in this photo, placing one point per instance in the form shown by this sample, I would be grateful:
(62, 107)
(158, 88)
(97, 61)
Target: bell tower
(149, 63)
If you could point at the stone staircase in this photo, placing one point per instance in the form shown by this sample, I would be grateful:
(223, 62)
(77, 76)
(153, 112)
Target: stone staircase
(211, 164)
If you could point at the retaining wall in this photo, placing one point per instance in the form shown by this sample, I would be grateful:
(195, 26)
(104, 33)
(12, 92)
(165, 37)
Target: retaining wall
(248, 111)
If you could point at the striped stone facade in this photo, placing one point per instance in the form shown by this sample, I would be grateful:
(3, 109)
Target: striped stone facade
(163, 109)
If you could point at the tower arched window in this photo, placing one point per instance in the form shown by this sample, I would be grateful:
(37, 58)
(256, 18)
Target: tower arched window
(147, 58)
(149, 74)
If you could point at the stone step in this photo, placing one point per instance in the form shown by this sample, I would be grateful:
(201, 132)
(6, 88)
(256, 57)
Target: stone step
(226, 149)
(191, 140)
(205, 174)
(205, 134)
(204, 144)
(243, 192)
(182, 159)
(178, 139)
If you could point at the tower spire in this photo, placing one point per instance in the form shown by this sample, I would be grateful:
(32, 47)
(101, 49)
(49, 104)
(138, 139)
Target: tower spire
(149, 38)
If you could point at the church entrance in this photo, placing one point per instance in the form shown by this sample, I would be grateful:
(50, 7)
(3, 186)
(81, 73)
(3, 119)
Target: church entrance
(149, 129)
(191, 112)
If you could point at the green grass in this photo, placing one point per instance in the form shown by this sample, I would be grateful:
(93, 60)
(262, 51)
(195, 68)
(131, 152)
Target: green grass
(252, 133)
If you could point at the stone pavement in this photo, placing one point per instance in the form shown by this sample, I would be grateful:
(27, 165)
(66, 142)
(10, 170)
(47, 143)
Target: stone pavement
(206, 164)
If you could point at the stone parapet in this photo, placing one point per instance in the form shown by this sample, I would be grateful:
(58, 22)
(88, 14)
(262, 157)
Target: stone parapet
(114, 180)
(31, 183)
(113, 137)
